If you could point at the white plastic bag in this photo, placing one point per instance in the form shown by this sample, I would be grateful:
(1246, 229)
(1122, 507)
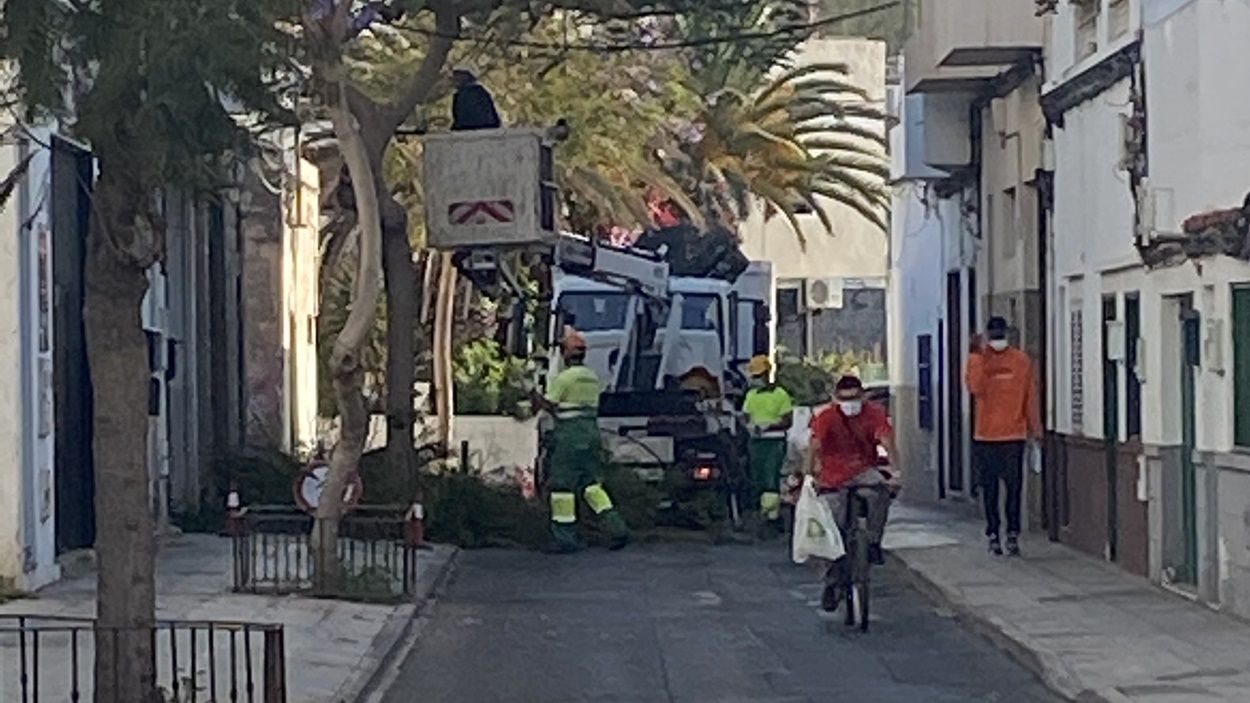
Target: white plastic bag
(815, 532)
(1035, 457)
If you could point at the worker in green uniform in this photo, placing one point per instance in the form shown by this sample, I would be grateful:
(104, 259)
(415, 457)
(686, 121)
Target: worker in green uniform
(577, 449)
(770, 414)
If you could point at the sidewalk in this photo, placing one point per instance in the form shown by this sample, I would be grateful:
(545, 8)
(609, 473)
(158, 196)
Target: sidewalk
(333, 647)
(1089, 630)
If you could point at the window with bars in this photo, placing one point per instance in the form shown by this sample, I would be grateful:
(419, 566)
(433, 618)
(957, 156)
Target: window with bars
(924, 381)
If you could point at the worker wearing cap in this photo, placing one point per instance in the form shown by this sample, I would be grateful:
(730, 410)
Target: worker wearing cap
(770, 413)
(577, 449)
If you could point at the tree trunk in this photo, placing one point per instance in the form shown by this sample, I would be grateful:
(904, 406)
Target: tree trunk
(345, 363)
(125, 540)
(403, 305)
(444, 375)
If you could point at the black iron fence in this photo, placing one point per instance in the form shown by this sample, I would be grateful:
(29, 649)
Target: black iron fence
(53, 659)
(276, 551)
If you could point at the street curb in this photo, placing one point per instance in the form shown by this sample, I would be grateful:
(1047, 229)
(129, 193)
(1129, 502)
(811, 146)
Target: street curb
(394, 641)
(1047, 666)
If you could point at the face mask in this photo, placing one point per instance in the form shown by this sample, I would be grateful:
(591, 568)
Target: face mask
(851, 408)
(998, 344)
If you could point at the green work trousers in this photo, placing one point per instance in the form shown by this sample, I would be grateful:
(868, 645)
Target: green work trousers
(767, 456)
(576, 467)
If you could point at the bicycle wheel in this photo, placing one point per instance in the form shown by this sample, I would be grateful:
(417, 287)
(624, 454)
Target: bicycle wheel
(861, 605)
(859, 578)
(850, 600)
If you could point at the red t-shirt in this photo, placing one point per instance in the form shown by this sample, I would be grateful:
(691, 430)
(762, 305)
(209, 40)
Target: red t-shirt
(848, 445)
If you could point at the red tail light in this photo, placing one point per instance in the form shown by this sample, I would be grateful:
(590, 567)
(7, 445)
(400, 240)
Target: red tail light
(705, 473)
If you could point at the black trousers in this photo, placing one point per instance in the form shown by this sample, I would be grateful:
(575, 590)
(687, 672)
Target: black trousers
(1000, 462)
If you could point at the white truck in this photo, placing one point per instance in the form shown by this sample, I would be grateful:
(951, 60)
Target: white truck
(648, 342)
(489, 195)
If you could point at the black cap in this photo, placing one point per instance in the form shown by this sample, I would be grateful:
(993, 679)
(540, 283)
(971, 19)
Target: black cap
(996, 327)
(849, 382)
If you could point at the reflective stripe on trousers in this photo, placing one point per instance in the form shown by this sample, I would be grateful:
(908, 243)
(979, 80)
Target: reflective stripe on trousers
(564, 504)
(563, 508)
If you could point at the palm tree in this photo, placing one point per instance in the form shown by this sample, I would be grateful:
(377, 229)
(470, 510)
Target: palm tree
(794, 137)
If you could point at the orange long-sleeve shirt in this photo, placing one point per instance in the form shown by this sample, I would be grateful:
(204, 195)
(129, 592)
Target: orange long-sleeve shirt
(1005, 388)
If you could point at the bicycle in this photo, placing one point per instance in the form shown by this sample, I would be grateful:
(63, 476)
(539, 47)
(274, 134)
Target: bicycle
(856, 572)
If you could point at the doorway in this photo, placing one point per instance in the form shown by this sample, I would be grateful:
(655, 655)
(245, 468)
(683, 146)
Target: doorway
(954, 455)
(1110, 419)
(1191, 336)
(72, 176)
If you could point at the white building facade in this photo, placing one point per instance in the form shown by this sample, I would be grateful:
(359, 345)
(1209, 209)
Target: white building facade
(196, 324)
(969, 187)
(28, 432)
(1149, 288)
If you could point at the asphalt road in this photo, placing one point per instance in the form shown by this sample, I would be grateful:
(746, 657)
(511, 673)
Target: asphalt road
(689, 624)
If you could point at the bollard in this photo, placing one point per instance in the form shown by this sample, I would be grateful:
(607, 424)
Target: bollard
(240, 547)
(414, 525)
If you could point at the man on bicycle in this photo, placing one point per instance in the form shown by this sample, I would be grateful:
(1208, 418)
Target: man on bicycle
(845, 441)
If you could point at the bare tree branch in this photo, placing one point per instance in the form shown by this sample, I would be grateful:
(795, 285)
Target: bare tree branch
(15, 176)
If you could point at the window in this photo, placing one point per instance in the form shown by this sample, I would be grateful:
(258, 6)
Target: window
(1118, 18)
(700, 312)
(924, 381)
(792, 318)
(1086, 22)
(1241, 365)
(594, 312)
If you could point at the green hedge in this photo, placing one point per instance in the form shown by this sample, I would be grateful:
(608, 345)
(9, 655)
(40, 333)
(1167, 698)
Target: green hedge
(461, 509)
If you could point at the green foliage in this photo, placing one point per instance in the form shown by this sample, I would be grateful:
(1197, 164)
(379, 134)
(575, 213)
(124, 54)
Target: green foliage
(795, 137)
(465, 511)
(146, 82)
(810, 381)
(488, 381)
(616, 104)
(743, 64)
(892, 24)
(462, 509)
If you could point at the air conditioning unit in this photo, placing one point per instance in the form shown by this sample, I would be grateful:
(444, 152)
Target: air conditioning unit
(824, 293)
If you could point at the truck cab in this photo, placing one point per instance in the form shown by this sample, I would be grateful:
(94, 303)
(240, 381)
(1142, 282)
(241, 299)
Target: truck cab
(642, 345)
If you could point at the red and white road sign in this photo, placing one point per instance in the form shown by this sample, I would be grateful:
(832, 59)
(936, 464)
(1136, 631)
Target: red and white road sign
(482, 212)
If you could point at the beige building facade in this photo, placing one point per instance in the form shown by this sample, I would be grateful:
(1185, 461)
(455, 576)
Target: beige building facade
(830, 293)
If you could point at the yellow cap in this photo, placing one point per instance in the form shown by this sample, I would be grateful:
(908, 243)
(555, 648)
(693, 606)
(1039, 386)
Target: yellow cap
(759, 366)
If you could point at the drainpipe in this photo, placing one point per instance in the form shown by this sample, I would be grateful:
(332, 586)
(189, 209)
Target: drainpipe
(1052, 488)
(1050, 494)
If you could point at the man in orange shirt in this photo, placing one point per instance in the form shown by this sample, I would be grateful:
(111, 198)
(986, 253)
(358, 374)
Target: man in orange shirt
(1002, 382)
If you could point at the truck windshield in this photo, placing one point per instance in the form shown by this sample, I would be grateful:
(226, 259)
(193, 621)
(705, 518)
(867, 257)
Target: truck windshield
(700, 312)
(594, 312)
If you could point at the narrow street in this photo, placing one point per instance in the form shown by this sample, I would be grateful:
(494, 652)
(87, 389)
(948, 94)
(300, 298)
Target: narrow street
(689, 624)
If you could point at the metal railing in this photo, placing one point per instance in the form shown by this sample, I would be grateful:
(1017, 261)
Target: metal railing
(275, 552)
(44, 658)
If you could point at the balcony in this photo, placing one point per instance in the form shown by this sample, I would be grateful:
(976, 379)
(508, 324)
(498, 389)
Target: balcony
(959, 45)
